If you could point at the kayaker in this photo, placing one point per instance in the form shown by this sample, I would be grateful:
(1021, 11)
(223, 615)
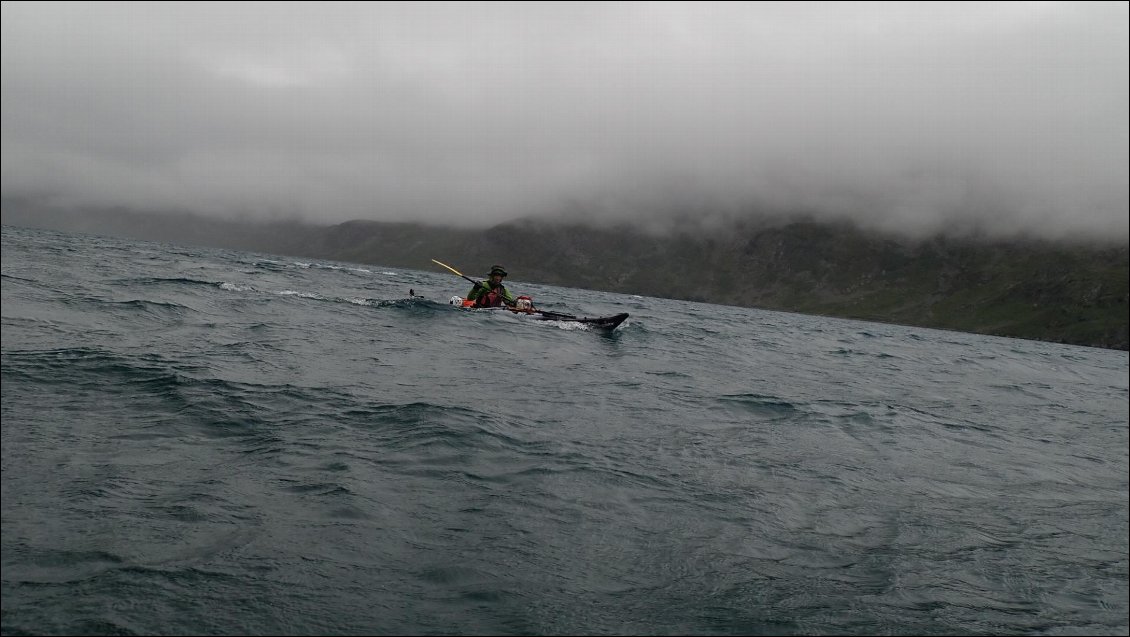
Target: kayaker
(491, 293)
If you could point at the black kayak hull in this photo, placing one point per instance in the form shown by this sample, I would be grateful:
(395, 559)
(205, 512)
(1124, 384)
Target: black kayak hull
(598, 322)
(603, 322)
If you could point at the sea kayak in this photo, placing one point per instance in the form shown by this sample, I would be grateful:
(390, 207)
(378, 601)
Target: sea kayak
(599, 322)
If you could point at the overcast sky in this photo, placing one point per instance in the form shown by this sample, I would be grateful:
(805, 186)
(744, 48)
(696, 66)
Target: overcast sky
(920, 116)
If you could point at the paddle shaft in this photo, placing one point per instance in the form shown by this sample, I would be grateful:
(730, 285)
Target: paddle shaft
(478, 283)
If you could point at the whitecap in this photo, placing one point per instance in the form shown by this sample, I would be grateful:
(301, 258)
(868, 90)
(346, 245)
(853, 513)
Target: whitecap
(303, 295)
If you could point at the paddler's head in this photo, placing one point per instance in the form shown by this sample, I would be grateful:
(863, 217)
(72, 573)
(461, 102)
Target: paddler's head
(497, 273)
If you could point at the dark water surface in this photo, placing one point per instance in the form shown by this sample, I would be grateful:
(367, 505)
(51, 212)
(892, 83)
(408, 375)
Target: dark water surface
(208, 441)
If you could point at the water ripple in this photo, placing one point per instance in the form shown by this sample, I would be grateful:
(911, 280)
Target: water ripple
(213, 442)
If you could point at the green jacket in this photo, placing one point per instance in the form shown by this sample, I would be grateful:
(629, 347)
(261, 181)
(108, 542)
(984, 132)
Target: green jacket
(480, 290)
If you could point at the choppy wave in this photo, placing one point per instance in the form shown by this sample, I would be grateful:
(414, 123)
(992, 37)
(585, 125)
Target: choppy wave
(212, 442)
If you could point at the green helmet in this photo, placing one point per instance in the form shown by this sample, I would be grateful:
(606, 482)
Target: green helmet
(497, 269)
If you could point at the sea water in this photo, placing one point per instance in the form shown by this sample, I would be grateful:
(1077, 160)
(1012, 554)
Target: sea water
(207, 441)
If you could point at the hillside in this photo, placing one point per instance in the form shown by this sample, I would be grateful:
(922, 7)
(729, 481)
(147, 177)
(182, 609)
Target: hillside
(1030, 289)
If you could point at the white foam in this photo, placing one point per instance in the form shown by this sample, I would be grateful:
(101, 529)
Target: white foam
(304, 295)
(571, 326)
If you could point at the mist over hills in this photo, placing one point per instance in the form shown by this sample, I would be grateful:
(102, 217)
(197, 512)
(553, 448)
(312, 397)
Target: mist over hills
(1067, 292)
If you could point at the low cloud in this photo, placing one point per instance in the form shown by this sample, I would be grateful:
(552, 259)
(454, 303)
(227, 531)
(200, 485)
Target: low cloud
(1009, 118)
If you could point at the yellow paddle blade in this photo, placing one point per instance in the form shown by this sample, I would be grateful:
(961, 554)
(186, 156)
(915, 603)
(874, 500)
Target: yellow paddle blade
(448, 267)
